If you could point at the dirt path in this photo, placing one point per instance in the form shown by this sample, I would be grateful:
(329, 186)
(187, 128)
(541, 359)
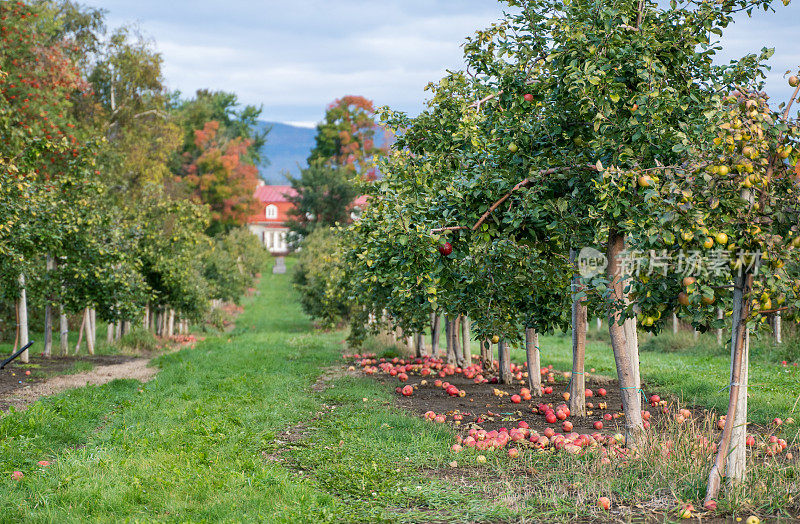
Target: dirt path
(20, 398)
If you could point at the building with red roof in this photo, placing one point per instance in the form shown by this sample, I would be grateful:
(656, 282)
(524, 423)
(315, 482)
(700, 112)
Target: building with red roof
(270, 222)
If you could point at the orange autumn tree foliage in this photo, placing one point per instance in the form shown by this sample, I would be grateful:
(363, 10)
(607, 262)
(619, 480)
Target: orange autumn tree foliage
(41, 81)
(346, 138)
(220, 178)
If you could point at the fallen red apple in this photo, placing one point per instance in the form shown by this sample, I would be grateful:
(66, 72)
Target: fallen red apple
(598, 425)
(407, 391)
(589, 393)
(550, 417)
(513, 453)
(604, 502)
(602, 392)
(17, 475)
(516, 399)
(655, 399)
(567, 426)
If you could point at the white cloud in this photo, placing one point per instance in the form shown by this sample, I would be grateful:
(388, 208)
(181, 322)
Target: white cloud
(296, 57)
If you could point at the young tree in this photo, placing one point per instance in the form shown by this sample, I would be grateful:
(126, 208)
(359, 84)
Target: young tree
(323, 197)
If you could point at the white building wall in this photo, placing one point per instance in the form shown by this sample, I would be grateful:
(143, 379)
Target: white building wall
(273, 238)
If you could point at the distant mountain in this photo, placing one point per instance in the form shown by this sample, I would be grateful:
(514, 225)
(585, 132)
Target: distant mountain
(289, 146)
(286, 147)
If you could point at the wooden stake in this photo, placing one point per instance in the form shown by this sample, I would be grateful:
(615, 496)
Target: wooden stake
(534, 362)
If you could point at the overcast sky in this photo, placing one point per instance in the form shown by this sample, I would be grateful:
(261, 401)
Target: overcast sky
(295, 57)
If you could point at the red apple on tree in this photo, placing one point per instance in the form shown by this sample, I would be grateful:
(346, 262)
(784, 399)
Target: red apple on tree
(446, 248)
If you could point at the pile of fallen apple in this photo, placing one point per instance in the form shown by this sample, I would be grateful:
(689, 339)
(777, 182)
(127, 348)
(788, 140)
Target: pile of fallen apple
(522, 435)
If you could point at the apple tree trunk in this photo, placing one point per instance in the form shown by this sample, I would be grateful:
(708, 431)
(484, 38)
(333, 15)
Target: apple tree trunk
(577, 384)
(63, 330)
(48, 314)
(23, 319)
(465, 340)
(534, 362)
(629, 390)
(436, 328)
(81, 330)
(504, 356)
(91, 330)
(448, 336)
(487, 360)
(733, 439)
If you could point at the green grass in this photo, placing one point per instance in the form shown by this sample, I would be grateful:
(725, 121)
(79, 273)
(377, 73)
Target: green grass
(696, 375)
(207, 441)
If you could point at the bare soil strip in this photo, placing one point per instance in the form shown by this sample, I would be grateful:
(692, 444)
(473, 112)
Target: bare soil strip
(20, 398)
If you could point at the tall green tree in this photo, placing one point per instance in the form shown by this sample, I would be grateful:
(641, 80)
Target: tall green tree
(324, 197)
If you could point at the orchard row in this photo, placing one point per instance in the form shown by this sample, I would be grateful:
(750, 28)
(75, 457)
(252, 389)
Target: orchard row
(574, 128)
(117, 200)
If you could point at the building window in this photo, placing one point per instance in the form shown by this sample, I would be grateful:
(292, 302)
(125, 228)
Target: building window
(272, 212)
